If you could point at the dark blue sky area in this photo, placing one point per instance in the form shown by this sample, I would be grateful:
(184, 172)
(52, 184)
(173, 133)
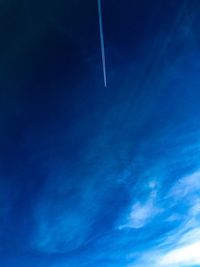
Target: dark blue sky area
(95, 176)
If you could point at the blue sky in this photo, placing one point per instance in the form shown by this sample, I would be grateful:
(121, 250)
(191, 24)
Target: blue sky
(94, 176)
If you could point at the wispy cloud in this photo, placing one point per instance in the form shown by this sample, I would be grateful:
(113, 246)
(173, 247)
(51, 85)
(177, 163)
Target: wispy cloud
(182, 252)
(185, 253)
(186, 185)
(140, 214)
(179, 247)
(183, 256)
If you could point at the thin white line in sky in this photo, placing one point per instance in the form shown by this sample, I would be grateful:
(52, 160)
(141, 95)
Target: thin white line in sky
(102, 43)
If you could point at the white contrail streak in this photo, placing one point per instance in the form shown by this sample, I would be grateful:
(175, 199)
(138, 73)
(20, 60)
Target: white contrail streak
(102, 43)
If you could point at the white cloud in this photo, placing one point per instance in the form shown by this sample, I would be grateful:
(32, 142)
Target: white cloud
(190, 236)
(186, 185)
(180, 251)
(178, 248)
(140, 215)
(182, 256)
(195, 209)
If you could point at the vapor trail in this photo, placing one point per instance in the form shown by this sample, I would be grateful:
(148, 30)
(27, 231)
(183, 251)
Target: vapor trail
(102, 42)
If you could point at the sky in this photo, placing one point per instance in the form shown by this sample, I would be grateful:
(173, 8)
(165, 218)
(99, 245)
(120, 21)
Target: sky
(95, 176)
